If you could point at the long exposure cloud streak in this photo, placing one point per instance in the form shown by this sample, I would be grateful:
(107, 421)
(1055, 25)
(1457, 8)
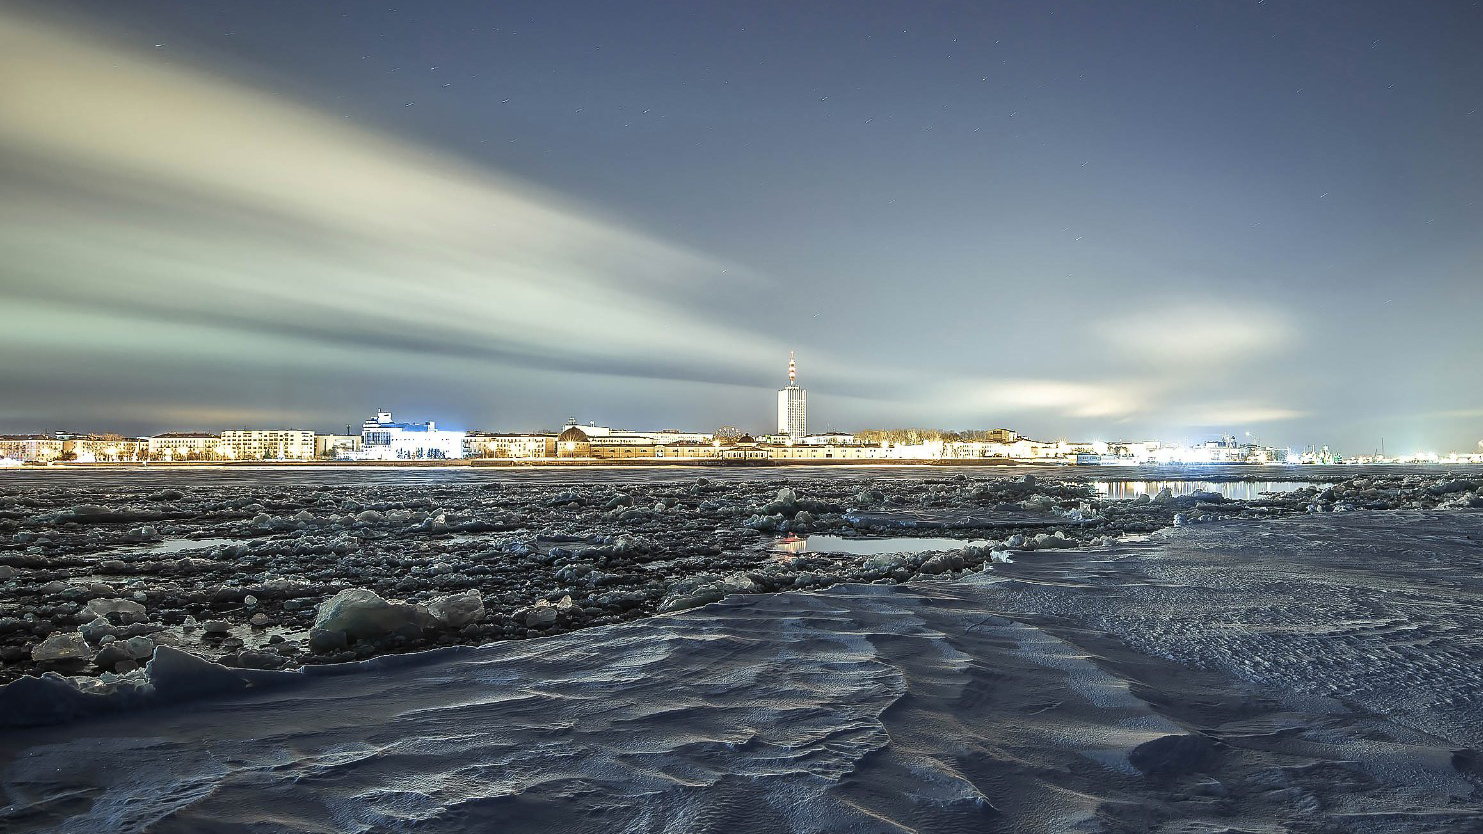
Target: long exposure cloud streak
(200, 199)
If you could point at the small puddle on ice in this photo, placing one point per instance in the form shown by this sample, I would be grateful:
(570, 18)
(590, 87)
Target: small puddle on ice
(178, 545)
(793, 545)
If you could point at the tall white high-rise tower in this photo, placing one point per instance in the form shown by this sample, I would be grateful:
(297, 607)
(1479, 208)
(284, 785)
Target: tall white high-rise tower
(792, 405)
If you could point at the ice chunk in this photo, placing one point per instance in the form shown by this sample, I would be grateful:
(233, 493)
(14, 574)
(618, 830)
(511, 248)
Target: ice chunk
(701, 590)
(457, 610)
(364, 615)
(139, 648)
(324, 641)
(99, 630)
(126, 609)
(62, 648)
(175, 675)
(1044, 541)
(543, 613)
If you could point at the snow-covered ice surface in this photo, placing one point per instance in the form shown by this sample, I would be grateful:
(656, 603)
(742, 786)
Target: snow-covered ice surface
(1384, 610)
(1319, 674)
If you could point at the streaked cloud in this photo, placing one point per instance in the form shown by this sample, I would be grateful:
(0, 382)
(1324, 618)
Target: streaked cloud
(1078, 399)
(1187, 331)
(1237, 413)
(154, 210)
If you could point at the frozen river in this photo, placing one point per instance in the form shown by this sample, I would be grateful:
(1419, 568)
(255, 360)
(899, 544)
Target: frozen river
(1319, 673)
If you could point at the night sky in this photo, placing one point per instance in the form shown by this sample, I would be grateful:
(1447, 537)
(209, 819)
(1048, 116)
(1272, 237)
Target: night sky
(1087, 221)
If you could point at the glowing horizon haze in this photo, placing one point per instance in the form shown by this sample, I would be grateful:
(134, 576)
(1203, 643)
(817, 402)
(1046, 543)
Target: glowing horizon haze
(1077, 220)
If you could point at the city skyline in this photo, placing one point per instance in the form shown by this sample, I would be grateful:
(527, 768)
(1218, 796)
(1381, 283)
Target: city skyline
(226, 214)
(792, 423)
(792, 427)
(384, 438)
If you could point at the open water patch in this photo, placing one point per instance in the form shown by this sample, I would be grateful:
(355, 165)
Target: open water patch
(1231, 490)
(179, 545)
(871, 547)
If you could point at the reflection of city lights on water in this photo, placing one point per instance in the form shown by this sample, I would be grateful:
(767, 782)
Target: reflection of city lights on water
(792, 544)
(1235, 490)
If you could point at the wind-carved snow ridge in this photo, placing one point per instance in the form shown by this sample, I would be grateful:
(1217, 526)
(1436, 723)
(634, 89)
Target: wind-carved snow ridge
(170, 676)
(760, 713)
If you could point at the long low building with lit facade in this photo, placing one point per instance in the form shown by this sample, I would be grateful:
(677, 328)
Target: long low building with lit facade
(612, 436)
(575, 444)
(510, 446)
(30, 448)
(186, 445)
(103, 449)
(70, 447)
(268, 444)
